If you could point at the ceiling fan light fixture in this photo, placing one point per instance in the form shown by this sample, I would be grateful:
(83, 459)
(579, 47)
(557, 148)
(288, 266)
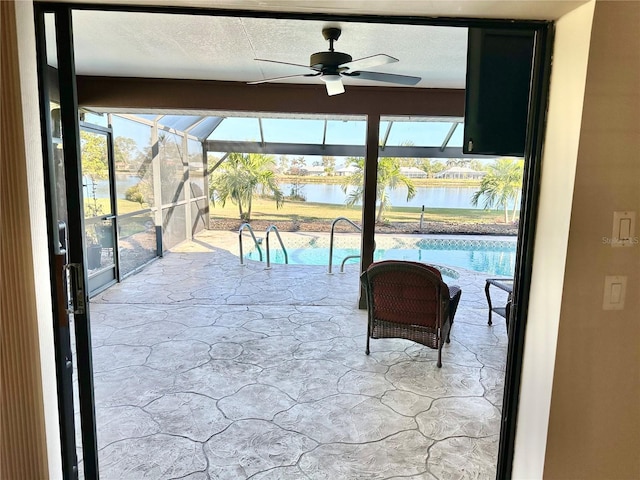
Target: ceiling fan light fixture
(334, 83)
(329, 77)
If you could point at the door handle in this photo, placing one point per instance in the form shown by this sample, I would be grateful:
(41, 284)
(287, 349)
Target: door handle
(62, 298)
(76, 271)
(108, 217)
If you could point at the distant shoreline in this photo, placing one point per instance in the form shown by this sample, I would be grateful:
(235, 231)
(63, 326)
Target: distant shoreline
(338, 180)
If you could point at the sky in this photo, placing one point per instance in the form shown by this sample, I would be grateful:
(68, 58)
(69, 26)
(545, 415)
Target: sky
(352, 132)
(339, 132)
(284, 130)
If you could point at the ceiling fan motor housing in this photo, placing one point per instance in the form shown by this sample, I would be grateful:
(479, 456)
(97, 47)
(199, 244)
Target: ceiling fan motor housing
(331, 33)
(328, 61)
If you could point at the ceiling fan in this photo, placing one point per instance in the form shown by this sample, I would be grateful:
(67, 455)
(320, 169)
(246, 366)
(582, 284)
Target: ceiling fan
(331, 66)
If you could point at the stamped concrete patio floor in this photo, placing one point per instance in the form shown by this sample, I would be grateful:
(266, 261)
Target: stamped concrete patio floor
(205, 369)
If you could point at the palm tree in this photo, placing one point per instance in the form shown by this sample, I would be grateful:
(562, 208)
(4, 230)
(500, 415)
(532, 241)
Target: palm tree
(458, 162)
(389, 177)
(501, 185)
(242, 175)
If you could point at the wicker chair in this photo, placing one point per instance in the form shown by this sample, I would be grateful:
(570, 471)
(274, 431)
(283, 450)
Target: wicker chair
(409, 300)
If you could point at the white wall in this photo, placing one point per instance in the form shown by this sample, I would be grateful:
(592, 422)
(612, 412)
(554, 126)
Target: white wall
(568, 76)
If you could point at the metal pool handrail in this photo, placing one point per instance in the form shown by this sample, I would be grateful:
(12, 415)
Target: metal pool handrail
(255, 240)
(284, 250)
(333, 226)
(344, 260)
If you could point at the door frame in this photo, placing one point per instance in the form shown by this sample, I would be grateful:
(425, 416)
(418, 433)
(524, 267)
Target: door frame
(58, 272)
(76, 254)
(544, 31)
(113, 215)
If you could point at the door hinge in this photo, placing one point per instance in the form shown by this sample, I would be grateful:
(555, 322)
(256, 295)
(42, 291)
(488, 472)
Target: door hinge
(76, 276)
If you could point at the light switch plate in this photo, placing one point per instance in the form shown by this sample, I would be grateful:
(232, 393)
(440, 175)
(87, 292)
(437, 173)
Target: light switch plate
(615, 288)
(624, 224)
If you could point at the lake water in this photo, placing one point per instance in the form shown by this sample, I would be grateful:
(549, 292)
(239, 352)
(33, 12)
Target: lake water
(430, 197)
(123, 182)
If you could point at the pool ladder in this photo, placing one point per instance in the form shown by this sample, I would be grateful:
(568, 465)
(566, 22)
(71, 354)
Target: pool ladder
(271, 228)
(333, 227)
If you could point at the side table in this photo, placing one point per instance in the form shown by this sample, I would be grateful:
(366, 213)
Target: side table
(505, 284)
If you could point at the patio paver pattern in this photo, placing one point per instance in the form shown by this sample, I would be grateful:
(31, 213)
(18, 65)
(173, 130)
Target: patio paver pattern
(205, 369)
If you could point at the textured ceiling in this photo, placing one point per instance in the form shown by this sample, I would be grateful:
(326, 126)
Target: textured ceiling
(224, 48)
(506, 9)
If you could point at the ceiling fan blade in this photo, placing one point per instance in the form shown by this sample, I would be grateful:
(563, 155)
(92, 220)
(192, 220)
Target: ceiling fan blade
(281, 63)
(368, 62)
(384, 77)
(274, 79)
(334, 87)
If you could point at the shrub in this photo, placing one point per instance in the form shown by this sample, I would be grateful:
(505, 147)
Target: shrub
(134, 194)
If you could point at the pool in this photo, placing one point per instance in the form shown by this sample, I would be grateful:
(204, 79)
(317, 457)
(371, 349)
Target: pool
(493, 257)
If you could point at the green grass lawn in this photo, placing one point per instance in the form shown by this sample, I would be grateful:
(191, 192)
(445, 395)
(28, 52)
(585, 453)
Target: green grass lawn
(293, 210)
(265, 209)
(101, 206)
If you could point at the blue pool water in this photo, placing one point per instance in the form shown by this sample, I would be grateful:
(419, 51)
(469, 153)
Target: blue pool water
(493, 257)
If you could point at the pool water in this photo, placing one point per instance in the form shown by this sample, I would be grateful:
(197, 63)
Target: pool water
(493, 257)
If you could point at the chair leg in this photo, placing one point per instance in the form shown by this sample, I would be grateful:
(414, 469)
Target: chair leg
(453, 307)
(440, 354)
(486, 292)
(366, 351)
(453, 303)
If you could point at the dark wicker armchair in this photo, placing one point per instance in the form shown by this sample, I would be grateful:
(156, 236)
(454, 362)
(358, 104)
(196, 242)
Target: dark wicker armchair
(409, 300)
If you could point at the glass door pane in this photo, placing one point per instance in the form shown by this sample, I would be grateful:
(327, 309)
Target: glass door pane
(99, 208)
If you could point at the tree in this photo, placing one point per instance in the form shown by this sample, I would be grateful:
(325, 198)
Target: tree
(94, 168)
(431, 167)
(125, 150)
(389, 178)
(501, 185)
(141, 166)
(438, 167)
(329, 164)
(242, 175)
(283, 163)
(458, 162)
(298, 165)
(477, 165)
(128, 158)
(94, 155)
(173, 168)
